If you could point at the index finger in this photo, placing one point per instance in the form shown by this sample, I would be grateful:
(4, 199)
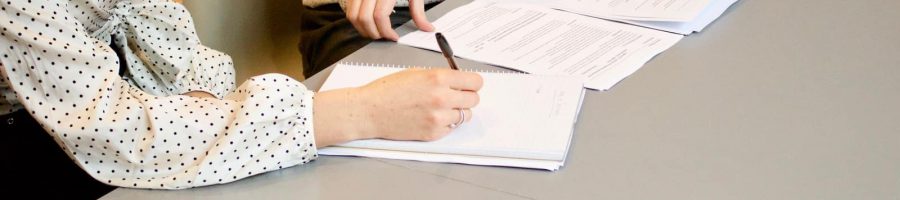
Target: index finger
(466, 81)
(417, 10)
(352, 13)
(383, 11)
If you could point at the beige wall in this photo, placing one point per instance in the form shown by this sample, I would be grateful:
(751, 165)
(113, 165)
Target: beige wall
(261, 36)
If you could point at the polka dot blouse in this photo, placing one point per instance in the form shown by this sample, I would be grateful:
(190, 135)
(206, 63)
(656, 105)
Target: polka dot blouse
(125, 123)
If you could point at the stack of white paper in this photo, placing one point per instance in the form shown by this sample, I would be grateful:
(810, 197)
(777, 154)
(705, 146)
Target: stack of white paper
(521, 121)
(677, 16)
(638, 10)
(541, 40)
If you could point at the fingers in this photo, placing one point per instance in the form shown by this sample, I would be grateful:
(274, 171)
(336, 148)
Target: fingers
(366, 19)
(352, 12)
(453, 116)
(455, 79)
(466, 81)
(462, 99)
(372, 18)
(440, 124)
(382, 19)
(417, 11)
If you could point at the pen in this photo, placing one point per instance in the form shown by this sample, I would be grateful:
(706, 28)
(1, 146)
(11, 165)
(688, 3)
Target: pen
(445, 49)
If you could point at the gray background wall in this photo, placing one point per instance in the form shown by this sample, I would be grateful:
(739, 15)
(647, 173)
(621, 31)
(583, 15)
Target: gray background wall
(260, 35)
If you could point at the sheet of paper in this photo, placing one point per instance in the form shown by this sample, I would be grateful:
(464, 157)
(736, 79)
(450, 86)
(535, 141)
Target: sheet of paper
(710, 14)
(541, 40)
(522, 120)
(641, 10)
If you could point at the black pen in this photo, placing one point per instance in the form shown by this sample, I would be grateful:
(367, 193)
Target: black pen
(445, 49)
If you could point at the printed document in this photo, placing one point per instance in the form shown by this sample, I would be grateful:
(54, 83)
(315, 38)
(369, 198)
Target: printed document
(640, 10)
(540, 40)
(713, 11)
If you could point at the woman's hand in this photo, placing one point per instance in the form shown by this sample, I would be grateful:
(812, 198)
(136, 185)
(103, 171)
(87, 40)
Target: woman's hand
(413, 104)
(372, 18)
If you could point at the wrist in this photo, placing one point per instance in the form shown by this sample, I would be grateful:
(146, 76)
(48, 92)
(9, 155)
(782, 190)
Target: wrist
(340, 116)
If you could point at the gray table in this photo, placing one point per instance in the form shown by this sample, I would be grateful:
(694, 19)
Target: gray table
(777, 99)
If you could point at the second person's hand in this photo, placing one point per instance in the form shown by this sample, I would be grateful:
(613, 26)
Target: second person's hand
(372, 18)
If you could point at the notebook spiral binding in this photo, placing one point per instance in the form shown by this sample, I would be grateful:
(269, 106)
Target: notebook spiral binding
(362, 64)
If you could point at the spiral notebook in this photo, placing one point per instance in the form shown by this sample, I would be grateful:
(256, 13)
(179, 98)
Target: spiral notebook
(522, 121)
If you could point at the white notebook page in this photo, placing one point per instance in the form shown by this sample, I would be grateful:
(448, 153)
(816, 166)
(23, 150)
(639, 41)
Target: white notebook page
(519, 116)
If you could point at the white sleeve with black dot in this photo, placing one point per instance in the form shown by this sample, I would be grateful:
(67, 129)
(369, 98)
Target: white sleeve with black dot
(57, 64)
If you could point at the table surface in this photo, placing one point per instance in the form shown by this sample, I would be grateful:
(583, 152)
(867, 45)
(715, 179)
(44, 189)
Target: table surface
(775, 100)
